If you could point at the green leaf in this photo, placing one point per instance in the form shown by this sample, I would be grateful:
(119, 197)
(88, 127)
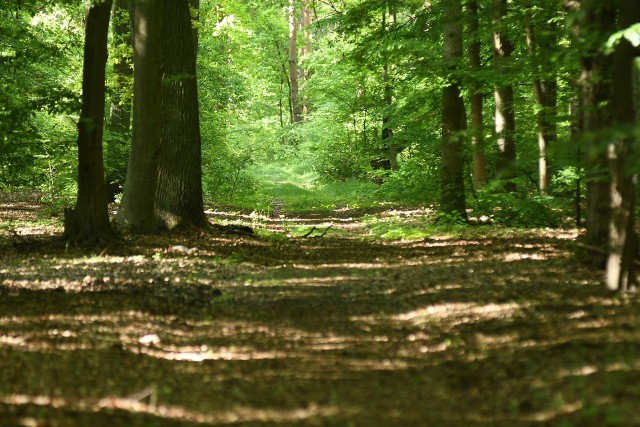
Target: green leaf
(631, 34)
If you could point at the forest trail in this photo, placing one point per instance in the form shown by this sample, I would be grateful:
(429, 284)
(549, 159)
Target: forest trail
(344, 329)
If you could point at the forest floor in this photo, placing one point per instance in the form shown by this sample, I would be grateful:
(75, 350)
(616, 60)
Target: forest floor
(481, 327)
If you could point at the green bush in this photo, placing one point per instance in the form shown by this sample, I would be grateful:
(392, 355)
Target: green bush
(416, 182)
(517, 210)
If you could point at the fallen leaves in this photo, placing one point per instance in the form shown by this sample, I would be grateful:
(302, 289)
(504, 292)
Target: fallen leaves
(489, 328)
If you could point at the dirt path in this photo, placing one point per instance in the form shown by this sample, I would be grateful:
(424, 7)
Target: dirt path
(341, 330)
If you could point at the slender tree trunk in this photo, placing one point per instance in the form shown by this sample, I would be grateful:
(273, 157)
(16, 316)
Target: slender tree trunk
(305, 22)
(136, 210)
(179, 200)
(284, 79)
(89, 222)
(120, 110)
(505, 121)
(545, 90)
(476, 101)
(454, 119)
(575, 128)
(622, 234)
(296, 109)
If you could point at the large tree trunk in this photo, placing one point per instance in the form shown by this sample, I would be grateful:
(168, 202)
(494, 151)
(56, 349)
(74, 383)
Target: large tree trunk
(136, 210)
(622, 234)
(596, 24)
(179, 194)
(454, 119)
(296, 108)
(117, 149)
(476, 101)
(505, 121)
(545, 87)
(89, 222)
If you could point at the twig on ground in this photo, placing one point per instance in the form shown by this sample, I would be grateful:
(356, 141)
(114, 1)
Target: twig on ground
(308, 233)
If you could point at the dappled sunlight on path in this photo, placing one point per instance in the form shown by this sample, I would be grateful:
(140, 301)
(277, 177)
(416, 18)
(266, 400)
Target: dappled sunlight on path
(345, 329)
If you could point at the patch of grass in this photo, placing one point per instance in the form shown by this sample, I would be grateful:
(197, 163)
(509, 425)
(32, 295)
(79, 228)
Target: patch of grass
(397, 227)
(296, 187)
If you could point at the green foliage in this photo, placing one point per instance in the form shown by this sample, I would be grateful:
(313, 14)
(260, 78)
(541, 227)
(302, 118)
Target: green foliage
(416, 181)
(631, 34)
(253, 156)
(224, 176)
(564, 182)
(39, 91)
(517, 209)
(297, 187)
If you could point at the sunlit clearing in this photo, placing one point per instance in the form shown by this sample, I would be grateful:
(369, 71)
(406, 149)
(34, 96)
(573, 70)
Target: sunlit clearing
(582, 371)
(308, 281)
(460, 312)
(203, 353)
(515, 256)
(346, 265)
(548, 415)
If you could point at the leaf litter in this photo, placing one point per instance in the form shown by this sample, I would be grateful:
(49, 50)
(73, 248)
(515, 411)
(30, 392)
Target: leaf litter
(483, 327)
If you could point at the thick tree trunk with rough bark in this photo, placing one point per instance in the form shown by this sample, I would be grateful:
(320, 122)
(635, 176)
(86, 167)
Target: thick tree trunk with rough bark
(454, 121)
(136, 210)
(597, 22)
(179, 200)
(89, 222)
(476, 100)
(505, 121)
(623, 247)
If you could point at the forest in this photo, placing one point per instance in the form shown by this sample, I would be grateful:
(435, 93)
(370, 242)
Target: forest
(319, 212)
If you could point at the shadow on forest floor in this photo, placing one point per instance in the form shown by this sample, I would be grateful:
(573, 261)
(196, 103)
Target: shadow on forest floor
(346, 330)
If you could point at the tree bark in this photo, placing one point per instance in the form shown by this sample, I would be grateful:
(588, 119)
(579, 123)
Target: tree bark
(545, 89)
(576, 125)
(179, 200)
(476, 100)
(136, 209)
(505, 122)
(305, 22)
(597, 22)
(622, 234)
(89, 222)
(453, 115)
